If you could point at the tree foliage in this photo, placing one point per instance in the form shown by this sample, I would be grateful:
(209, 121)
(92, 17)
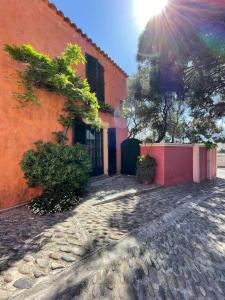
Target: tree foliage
(155, 105)
(184, 50)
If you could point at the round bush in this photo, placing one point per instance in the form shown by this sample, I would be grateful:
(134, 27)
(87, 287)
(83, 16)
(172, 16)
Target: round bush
(62, 170)
(146, 167)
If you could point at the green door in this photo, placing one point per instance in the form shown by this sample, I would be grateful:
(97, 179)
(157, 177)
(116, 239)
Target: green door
(130, 150)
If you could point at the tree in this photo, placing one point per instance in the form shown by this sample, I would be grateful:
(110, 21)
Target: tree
(155, 102)
(190, 34)
(133, 106)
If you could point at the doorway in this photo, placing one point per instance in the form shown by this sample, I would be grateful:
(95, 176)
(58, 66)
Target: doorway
(130, 150)
(93, 139)
(112, 151)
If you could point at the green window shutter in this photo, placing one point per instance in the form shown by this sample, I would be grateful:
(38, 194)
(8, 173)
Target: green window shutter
(101, 83)
(95, 77)
(91, 72)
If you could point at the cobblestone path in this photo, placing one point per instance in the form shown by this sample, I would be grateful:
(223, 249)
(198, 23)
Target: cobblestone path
(33, 247)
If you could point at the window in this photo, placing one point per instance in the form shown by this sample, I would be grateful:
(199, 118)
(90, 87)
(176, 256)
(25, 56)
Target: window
(93, 138)
(95, 77)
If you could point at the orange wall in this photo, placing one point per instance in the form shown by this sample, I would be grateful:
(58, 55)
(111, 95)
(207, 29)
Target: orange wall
(35, 22)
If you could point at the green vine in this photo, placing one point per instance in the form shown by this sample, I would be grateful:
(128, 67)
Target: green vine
(104, 107)
(28, 96)
(56, 75)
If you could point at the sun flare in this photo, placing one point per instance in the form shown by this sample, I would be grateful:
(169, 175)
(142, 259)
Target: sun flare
(144, 10)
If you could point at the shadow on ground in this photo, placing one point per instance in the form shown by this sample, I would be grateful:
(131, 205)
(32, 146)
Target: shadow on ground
(184, 261)
(22, 233)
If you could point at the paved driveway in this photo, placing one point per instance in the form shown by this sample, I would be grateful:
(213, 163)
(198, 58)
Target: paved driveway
(164, 244)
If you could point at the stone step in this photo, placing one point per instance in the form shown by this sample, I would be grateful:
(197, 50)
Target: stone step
(98, 200)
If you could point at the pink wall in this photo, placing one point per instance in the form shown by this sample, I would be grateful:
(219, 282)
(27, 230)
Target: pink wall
(203, 163)
(214, 163)
(158, 153)
(178, 165)
(211, 163)
(175, 163)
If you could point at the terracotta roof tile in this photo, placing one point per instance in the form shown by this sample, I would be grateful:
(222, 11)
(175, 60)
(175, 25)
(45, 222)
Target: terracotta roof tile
(66, 19)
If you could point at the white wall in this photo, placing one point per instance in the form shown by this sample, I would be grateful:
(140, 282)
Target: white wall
(220, 160)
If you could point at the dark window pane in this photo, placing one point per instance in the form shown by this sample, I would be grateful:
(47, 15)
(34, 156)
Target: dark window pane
(93, 139)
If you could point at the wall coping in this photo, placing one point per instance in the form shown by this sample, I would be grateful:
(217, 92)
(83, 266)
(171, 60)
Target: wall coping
(170, 145)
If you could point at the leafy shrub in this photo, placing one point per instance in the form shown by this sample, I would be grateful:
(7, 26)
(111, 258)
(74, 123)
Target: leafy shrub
(62, 171)
(146, 167)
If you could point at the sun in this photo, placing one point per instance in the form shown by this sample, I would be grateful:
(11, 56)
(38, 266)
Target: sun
(144, 10)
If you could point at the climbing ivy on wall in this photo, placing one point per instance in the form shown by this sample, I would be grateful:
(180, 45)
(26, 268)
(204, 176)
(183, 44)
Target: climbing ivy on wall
(57, 75)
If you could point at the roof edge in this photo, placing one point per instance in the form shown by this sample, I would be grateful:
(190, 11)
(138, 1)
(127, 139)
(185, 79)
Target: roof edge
(84, 35)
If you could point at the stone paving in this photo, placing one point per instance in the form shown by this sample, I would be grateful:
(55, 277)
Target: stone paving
(180, 255)
(104, 189)
(33, 247)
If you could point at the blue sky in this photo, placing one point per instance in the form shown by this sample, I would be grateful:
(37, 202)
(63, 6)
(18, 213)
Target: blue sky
(111, 24)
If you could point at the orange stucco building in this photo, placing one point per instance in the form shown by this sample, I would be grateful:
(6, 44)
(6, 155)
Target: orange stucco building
(40, 24)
